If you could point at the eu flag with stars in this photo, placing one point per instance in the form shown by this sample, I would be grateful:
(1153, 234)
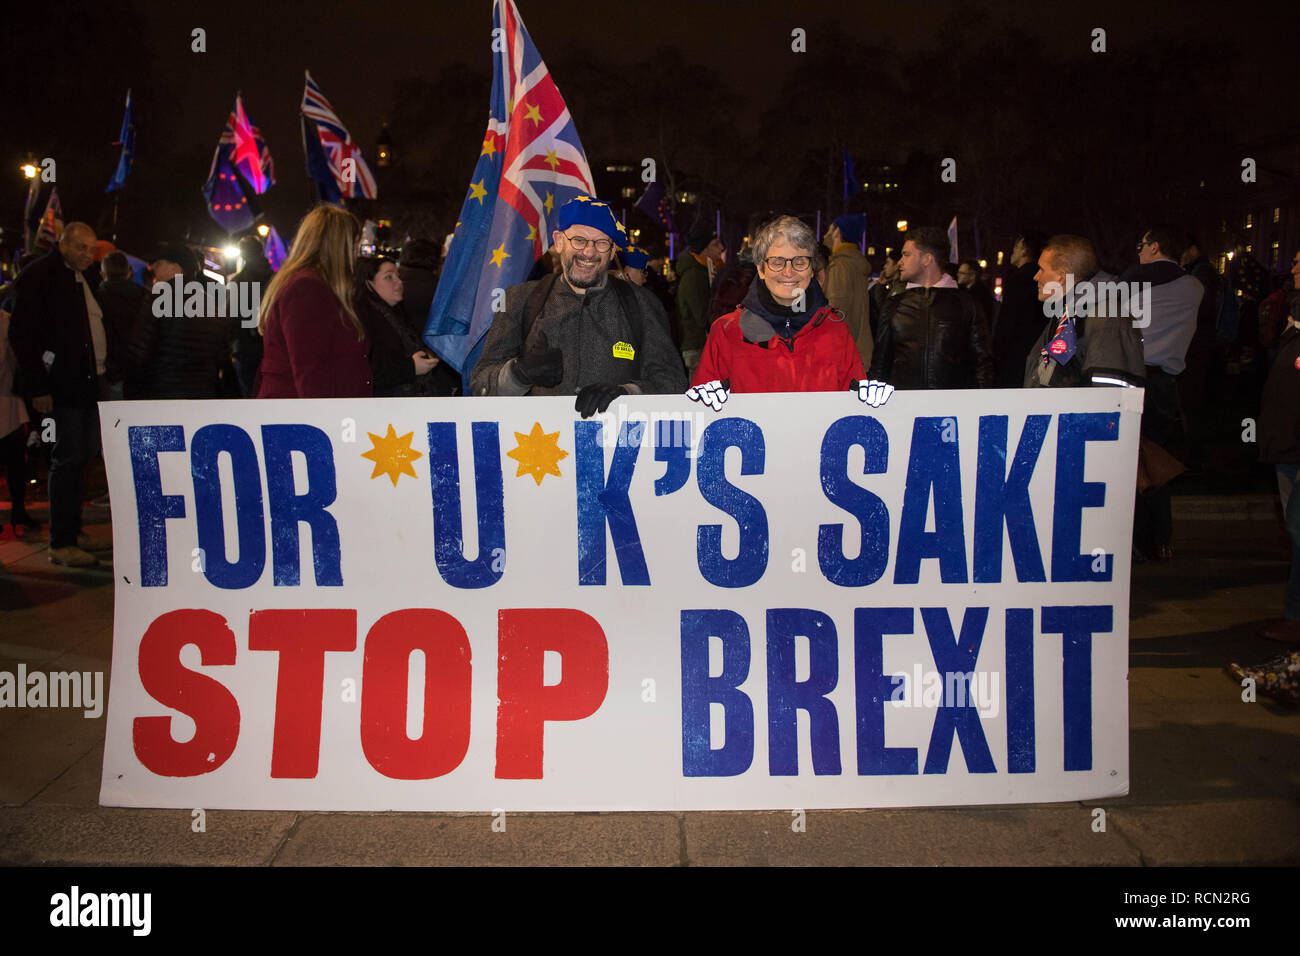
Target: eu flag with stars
(531, 163)
(125, 139)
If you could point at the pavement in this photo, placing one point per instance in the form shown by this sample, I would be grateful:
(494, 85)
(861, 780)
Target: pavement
(1214, 780)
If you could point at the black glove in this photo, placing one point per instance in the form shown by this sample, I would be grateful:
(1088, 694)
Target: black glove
(596, 398)
(541, 364)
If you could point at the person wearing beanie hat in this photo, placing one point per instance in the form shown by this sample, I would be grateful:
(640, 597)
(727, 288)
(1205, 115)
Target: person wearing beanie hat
(848, 279)
(577, 333)
(635, 260)
(694, 280)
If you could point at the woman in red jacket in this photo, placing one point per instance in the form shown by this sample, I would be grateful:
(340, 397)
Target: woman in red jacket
(314, 343)
(784, 337)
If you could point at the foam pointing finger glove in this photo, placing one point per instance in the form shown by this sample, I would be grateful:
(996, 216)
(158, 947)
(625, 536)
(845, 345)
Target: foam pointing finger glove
(873, 393)
(714, 394)
(596, 398)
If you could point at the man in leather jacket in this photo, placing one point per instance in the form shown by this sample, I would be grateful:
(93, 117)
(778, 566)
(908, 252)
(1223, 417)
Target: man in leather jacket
(932, 336)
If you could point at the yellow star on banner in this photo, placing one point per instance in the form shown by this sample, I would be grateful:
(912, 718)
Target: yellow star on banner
(532, 234)
(582, 199)
(534, 114)
(489, 147)
(552, 160)
(499, 255)
(392, 455)
(549, 204)
(539, 454)
(510, 105)
(477, 191)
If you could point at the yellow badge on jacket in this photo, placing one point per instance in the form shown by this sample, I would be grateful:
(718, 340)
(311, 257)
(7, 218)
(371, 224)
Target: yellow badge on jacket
(624, 351)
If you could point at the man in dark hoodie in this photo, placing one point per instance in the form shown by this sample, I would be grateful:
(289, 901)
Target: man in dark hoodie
(1020, 315)
(119, 297)
(178, 356)
(693, 284)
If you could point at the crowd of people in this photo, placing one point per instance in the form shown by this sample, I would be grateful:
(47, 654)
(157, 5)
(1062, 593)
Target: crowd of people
(601, 318)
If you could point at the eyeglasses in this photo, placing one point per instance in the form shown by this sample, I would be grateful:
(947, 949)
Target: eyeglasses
(579, 243)
(1143, 244)
(778, 263)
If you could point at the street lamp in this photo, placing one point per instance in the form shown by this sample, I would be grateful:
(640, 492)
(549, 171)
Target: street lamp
(28, 170)
(901, 225)
(263, 230)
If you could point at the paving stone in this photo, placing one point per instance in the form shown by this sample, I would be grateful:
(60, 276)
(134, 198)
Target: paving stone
(116, 836)
(533, 839)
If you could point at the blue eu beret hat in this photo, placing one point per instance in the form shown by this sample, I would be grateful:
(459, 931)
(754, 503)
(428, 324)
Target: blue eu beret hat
(588, 211)
(634, 257)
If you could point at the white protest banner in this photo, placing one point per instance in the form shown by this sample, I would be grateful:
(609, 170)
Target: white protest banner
(471, 604)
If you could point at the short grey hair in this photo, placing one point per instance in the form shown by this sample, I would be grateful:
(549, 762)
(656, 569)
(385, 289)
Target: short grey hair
(792, 230)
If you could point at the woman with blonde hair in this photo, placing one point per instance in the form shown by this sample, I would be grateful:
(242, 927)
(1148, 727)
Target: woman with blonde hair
(314, 342)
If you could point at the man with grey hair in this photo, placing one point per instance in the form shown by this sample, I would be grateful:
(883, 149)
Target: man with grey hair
(58, 334)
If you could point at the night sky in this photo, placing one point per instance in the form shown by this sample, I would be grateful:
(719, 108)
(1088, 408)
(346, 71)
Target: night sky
(66, 68)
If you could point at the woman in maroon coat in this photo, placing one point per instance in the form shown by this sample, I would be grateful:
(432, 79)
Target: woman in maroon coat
(314, 343)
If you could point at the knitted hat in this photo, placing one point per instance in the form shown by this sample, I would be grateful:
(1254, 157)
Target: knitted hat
(850, 228)
(698, 239)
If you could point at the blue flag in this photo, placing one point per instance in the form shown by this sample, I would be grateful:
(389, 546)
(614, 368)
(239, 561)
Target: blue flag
(318, 165)
(125, 139)
(531, 164)
(850, 178)
(654, 203)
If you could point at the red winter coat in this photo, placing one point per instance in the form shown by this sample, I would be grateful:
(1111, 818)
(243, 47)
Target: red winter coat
(821, 357)
(310, 346)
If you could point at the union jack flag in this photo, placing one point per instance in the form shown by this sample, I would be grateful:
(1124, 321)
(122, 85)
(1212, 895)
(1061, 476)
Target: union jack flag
(51, 222)
(354, 180)
(531, 163)
(250, 155)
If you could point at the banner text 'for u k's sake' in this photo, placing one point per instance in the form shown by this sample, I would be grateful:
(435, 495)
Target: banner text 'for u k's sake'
(471, 604)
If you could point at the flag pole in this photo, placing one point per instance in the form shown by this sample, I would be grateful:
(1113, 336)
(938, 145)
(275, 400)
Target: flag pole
(116, 195)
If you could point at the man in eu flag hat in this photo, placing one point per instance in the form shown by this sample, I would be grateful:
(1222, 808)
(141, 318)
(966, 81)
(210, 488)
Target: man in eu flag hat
(579, 332)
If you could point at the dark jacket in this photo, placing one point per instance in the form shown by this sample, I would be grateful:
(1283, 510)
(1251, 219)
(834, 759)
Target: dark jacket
(392, 342)
(173, 357)
(692, 300)
(600, 339)
(246, 343)
(1105, 348)
(731, 286)
(933, 338)
(1019, 323)
(49, 316)
(1279, 407)
(120, 302)
(418, 287)
(310, 347)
